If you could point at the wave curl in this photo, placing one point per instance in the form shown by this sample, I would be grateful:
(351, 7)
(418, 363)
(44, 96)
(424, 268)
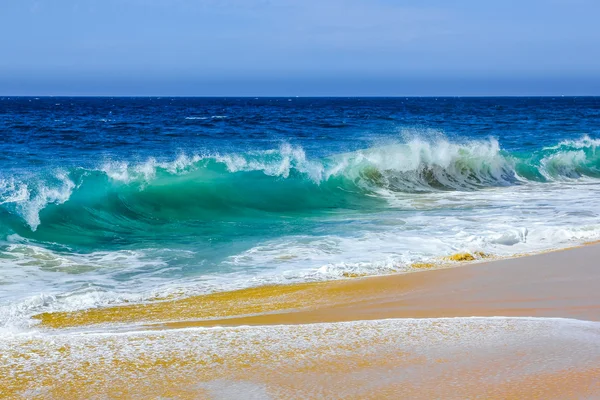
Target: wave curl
(211, 186)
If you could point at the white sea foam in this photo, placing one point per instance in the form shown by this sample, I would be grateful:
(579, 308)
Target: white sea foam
(275, 163)
(393, 350)
(584, 142)
(411, 166)
(45, 280)
(29, 200)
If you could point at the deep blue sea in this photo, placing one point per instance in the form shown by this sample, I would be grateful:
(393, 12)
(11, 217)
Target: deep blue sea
(111, 200)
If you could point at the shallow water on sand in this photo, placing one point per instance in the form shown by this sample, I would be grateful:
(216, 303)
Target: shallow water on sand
(419, 358)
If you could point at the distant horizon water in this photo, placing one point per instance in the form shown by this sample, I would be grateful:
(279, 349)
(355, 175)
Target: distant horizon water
(508, 96)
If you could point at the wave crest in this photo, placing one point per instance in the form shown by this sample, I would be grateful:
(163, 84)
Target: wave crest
(210, 186)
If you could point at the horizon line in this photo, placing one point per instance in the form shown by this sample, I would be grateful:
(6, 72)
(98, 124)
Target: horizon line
(300, 97)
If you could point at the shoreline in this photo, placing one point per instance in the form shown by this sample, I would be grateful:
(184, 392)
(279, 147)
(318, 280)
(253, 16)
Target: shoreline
(480, 289)
(502, 329)
(418, 294)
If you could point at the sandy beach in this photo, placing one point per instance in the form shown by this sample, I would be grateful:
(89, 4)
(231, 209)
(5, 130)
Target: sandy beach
(515, 328)
(555, 284)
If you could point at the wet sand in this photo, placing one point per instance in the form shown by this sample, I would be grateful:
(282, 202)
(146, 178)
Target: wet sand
(399, 336)
(555, 284)
(453, 358)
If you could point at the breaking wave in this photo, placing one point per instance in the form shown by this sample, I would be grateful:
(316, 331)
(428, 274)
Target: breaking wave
(283, 180)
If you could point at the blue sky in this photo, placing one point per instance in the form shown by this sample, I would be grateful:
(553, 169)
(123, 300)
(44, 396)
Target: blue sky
(299, 47)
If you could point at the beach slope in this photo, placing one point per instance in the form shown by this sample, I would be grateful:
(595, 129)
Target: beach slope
(517, 328)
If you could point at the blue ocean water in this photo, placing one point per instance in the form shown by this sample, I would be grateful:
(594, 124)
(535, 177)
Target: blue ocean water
(106, 200)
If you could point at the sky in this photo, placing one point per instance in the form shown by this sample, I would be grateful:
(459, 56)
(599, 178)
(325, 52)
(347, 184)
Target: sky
(299, 47)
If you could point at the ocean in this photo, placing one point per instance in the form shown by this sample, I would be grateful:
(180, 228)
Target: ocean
(106, 201)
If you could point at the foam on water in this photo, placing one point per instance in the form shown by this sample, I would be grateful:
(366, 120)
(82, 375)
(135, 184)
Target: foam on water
(29, 199)
(358, 358)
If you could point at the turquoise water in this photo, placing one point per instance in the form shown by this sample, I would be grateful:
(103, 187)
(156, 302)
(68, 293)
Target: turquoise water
(110, 200)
